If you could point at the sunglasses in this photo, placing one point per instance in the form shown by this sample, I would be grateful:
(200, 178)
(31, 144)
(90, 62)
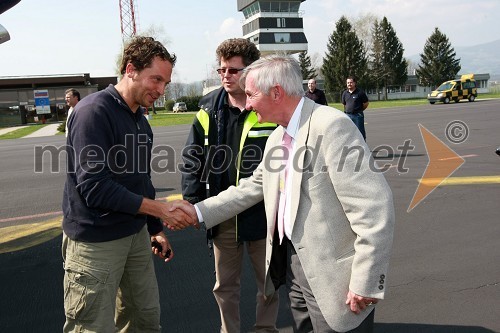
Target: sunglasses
(231, 71)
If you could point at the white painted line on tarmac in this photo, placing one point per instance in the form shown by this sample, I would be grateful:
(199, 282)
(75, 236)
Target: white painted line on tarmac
(28, 217)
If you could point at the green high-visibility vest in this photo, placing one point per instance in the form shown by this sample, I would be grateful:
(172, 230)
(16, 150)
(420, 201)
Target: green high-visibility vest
(251, 129)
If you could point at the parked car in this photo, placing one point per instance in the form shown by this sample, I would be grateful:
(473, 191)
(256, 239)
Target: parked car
(455, 90)
(180, 107)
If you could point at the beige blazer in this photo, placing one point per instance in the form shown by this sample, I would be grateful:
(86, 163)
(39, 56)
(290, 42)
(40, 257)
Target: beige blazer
(342, 211)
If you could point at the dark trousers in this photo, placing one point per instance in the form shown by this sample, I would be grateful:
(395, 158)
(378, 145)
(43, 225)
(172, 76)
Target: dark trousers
(359, 121)
(306, 313)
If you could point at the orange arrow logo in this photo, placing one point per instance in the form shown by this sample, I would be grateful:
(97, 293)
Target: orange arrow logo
(443, 161)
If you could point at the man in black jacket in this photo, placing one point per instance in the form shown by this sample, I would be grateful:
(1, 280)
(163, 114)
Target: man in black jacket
(317, 95)
(225, 144)
(110, 215)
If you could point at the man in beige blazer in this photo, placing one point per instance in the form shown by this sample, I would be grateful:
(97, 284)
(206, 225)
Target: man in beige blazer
(339, 215)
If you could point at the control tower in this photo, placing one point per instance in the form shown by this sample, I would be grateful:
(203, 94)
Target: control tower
(274, 25)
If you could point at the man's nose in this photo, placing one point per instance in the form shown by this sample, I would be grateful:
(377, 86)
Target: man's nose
(161, 88)
(248, 105)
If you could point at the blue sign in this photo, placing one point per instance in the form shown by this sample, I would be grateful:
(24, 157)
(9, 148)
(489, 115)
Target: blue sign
(42, 101)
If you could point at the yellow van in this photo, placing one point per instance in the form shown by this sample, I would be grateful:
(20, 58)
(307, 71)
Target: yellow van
(455, 90)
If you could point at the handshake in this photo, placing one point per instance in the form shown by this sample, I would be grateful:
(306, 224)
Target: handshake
(175, 215)
(181, 215)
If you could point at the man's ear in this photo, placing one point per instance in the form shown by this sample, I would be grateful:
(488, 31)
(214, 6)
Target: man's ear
(277, 93)
(130, 70)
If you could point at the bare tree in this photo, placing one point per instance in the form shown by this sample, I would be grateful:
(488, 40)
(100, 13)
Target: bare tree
(156, 31)
(412, 66)
(317, 62)
(175, 89)
(194, 89)
(362, 25)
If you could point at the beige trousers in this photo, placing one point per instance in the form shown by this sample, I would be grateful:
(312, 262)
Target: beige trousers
(228, 266)
(110, 286)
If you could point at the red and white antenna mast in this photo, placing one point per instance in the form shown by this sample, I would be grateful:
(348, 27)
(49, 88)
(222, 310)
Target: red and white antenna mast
(128, 17)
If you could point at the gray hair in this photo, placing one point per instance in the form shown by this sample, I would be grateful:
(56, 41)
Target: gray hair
(276, 69)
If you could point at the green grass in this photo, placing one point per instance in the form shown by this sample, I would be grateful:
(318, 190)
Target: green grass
(163, 118)
(170, 119)
(19, 133)
(387, 104)
(407, 102)
(493, 94)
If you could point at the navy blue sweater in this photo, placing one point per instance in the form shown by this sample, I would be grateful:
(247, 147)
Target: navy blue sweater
(108, 170)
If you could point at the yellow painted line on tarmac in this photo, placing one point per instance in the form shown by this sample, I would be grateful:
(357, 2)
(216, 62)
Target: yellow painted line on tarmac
(173, 197)
(18, 237)
(22, 236)
(461, 180)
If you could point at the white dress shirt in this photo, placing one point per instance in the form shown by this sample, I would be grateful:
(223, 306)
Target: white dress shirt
(70, 111)
(291, 129)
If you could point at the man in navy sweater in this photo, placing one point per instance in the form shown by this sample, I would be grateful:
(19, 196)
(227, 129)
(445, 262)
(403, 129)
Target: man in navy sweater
(110, 215)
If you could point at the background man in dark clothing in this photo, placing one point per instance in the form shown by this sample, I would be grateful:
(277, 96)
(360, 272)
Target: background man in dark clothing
(315, 94)
(225, 145)
(110, 215)
(355, 102)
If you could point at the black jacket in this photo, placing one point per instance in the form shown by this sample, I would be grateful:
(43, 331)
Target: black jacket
(108, 170)
(202, 162)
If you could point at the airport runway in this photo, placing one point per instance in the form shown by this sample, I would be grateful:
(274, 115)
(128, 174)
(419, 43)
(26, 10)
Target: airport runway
(445, 270)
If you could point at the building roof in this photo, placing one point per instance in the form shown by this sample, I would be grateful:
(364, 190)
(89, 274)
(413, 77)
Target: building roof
(56, 80)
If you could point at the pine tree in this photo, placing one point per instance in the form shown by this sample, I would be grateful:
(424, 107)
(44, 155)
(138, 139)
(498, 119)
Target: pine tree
(308, 72)
(346, 56)
(438, 63)
(388, 65)
(376, 63)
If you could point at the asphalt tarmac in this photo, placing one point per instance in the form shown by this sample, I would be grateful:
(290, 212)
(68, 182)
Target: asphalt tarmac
(444, 274)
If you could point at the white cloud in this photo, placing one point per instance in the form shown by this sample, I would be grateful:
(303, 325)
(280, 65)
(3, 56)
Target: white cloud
(229, 26)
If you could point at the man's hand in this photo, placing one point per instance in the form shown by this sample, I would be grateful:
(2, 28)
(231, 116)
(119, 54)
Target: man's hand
(166, 250)
(175, 219)
(358, 303)
(174, 215)
(187, 209)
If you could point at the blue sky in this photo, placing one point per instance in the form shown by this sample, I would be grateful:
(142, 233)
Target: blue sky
(74, 36)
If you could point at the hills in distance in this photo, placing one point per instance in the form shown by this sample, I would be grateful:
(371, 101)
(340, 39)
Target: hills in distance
(478, 59)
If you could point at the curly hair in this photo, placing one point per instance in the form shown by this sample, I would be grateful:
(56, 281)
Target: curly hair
(141, 51)
(238, 47)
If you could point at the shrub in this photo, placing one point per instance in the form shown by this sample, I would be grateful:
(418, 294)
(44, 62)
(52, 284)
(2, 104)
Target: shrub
(191, 102)
(169, 105)
(62, 127)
